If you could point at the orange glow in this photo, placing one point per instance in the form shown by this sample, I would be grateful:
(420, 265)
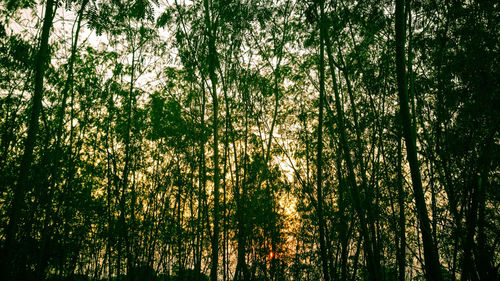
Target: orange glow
(271, 256)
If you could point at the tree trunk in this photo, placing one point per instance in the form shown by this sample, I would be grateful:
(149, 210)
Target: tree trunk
(11, 265)
(402, 218)
(55, 172)
(212, 61)
(240, 194)
(319, 164)
(373, 265)
(431, 257)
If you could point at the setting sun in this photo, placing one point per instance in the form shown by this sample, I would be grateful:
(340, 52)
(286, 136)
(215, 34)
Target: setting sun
(271, 256)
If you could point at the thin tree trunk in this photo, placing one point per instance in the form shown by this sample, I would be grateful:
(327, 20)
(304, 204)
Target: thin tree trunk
(373, 266)
(126, 170)
(343, 231)
(212, 61)
(484, 256)
(402, 218)
(319, 164)
(431, 256)
(55, 172)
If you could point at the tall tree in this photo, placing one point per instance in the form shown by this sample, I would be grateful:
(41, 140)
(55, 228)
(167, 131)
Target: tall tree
(373, 263)
(319, 163)
(432, 265)
(211, 33)
(12, 264)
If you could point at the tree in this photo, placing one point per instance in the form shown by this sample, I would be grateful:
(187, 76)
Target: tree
(12, 264)
(249, 140)
(432, 265)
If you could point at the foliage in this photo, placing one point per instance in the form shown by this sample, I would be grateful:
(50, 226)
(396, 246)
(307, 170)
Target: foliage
(173, 133)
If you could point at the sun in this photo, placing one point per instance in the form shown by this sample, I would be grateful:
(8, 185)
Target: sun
(271, 255)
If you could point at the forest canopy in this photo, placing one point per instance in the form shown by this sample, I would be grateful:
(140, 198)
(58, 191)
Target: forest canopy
(249, 140)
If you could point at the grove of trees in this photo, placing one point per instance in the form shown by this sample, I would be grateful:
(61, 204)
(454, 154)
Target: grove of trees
(250, 140)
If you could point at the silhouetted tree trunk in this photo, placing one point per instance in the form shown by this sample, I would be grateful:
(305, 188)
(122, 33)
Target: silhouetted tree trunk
(11, 263)
(241, 272)
(319, 164)
(201, 183)
(124, 233)
(212, 65)
(373, 265)
(402, 218)
(55, 153)
(432, 265)
(483, 254)
(342, 201)
(366, 189)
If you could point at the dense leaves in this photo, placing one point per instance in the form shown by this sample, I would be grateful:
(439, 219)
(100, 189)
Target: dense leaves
(249, 140)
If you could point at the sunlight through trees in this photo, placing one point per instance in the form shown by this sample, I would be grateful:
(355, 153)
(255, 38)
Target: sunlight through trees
(249, 140)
